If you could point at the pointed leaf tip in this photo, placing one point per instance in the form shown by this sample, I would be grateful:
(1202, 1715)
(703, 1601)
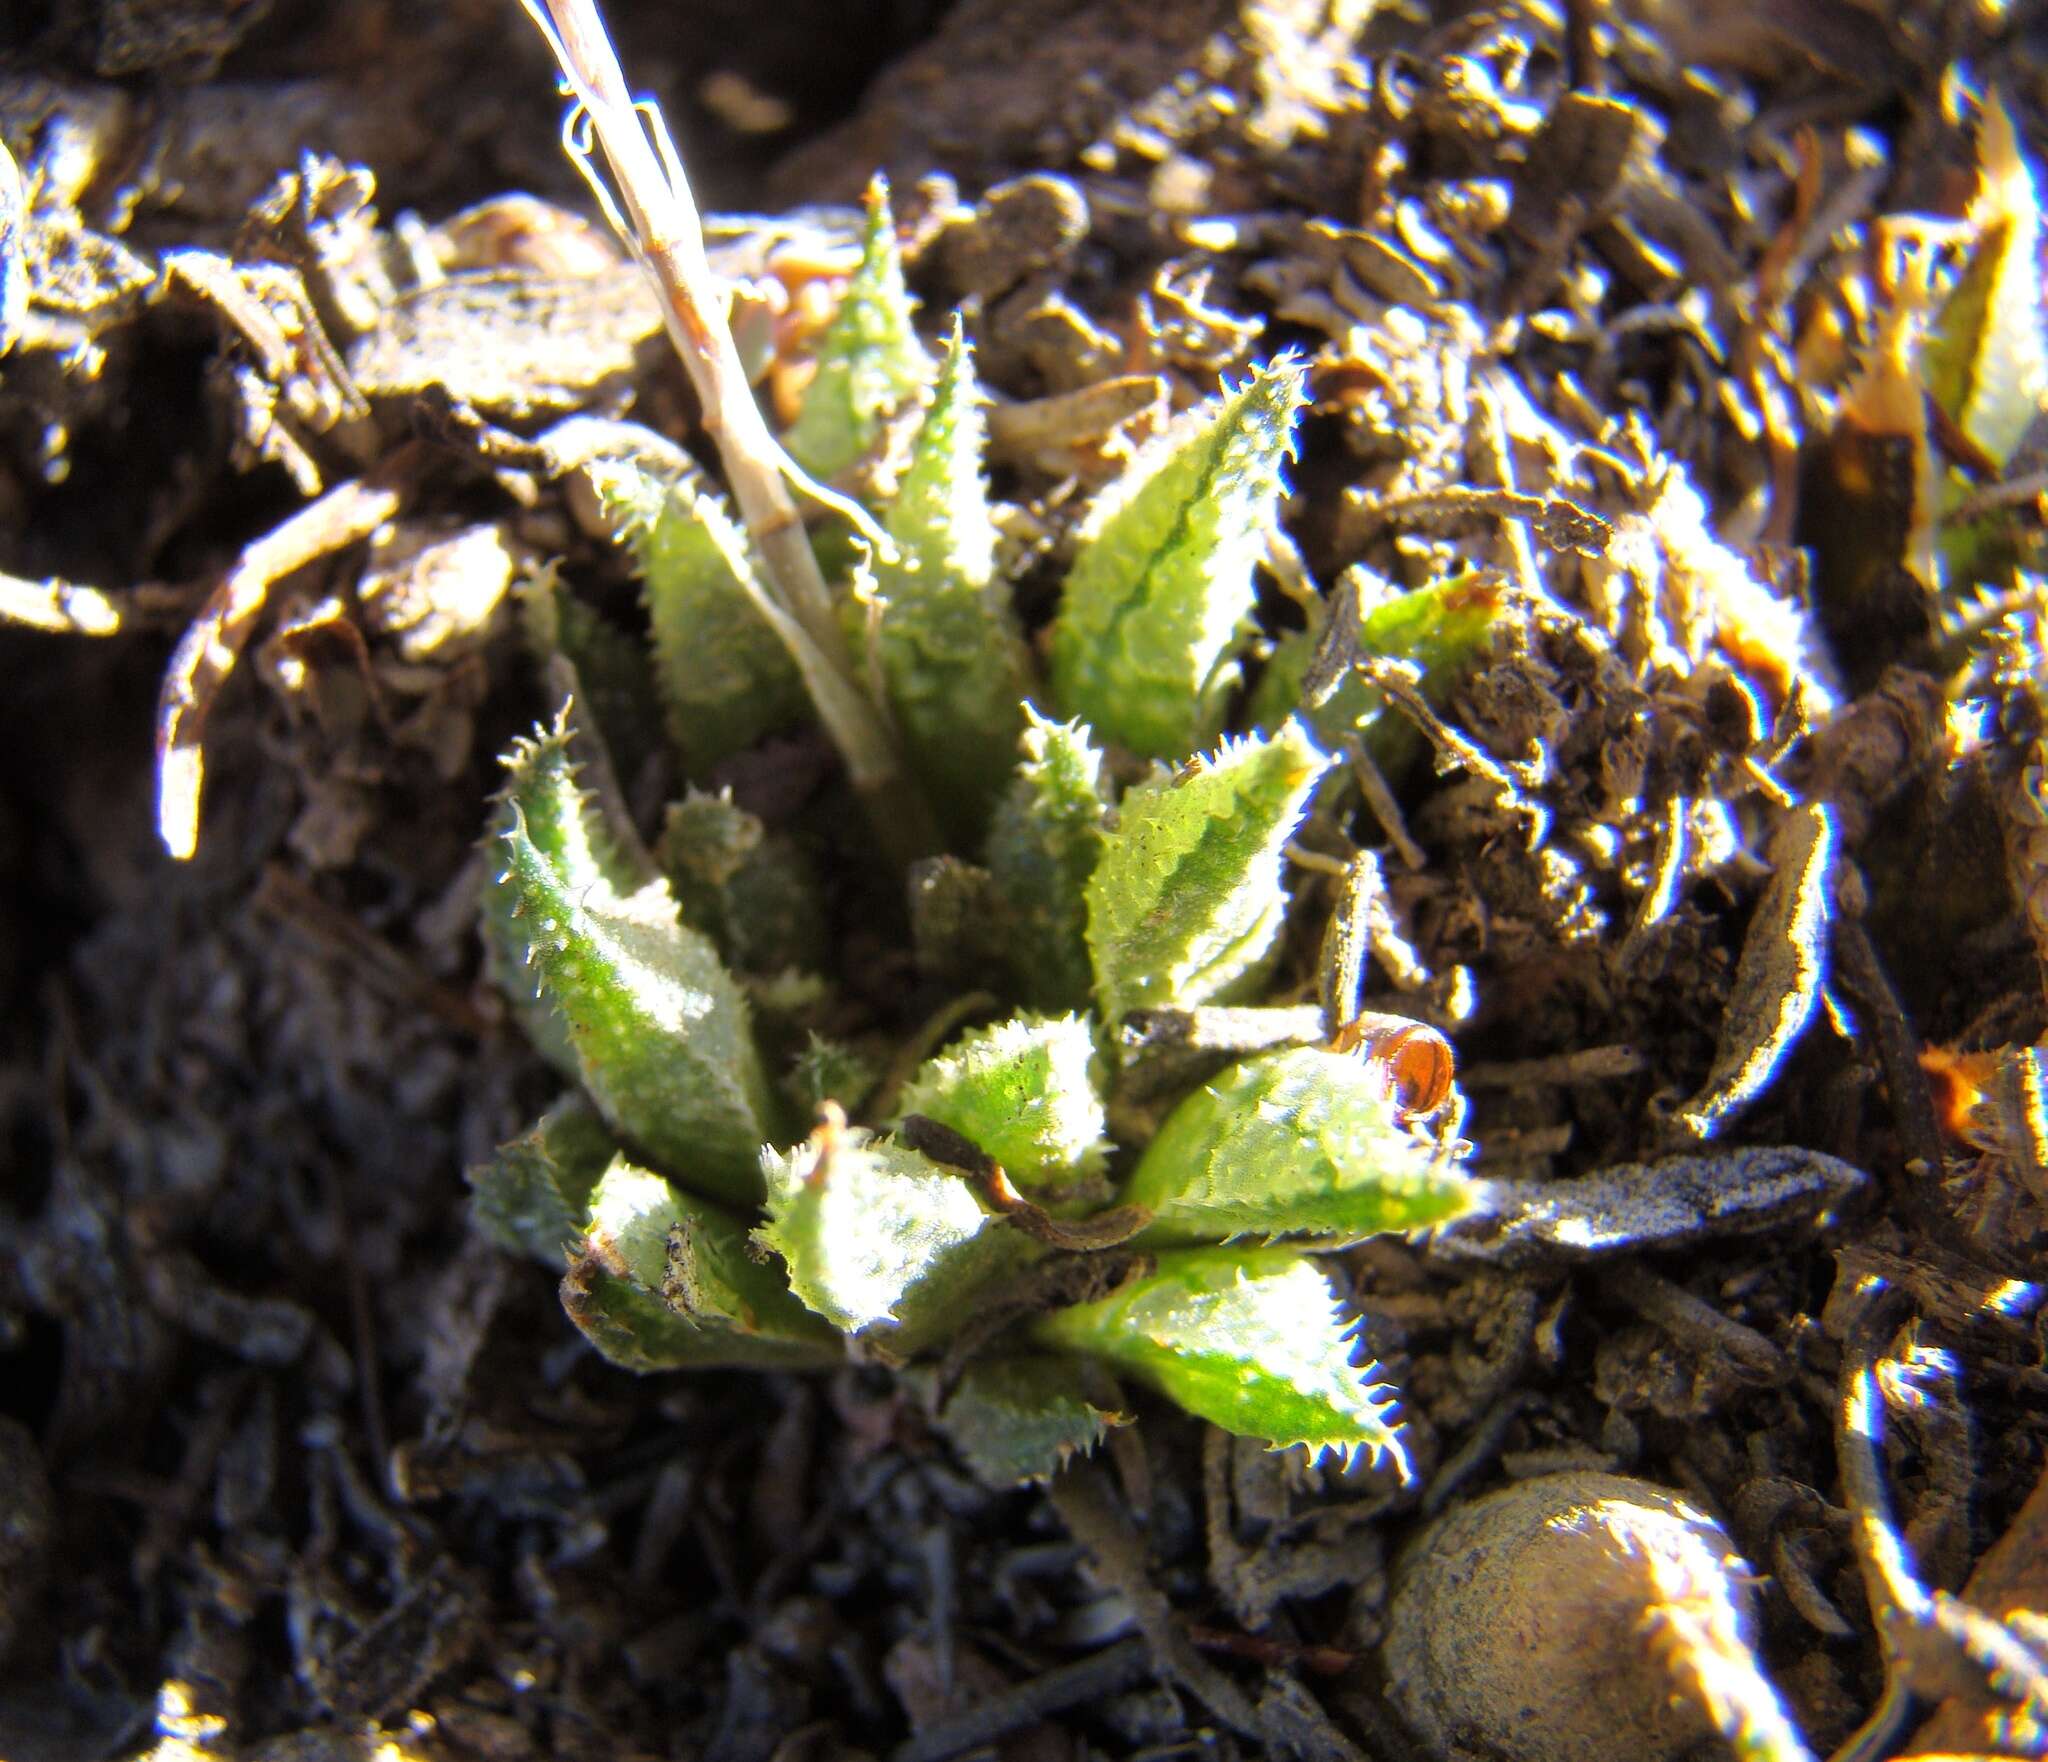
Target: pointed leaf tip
(724, 678)
(1025, 1092)
(879, 1239)
(660, 1032)
(1251, 1340)
(1297, 1142)
(1187, 900)
(869, 358)
(1161, 589)
(1048, 835)
(944, 638)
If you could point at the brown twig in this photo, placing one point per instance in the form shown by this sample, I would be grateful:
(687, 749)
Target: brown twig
(1934, 1643)
(70, 608)
(213, 642)
(1092, 1679)
(657, 217)
(1081, 1494)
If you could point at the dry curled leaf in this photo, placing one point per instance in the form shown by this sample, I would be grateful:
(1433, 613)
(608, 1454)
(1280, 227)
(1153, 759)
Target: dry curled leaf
(1778, 982)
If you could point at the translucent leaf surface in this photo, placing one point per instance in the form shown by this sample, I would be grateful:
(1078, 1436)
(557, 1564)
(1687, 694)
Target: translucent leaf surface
(660, 1030)
(943, 634)
(1294, 1142)
(1251, 1340)
(869, 358)
(878, 1237)
(1047, 837)
(1020, 1419)
(1186, 900)
(1025, 1092)
(1161, 588)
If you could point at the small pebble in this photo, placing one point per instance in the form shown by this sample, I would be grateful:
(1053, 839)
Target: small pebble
(1569, 1619)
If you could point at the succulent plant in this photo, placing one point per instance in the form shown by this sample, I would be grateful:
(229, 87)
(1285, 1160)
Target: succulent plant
(984, 1227)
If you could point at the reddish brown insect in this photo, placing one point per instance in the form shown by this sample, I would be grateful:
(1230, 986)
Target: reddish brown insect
(1414, 1057)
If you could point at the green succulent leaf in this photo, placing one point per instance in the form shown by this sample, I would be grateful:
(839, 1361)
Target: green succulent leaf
(1161, 590)
(869, 358)
(615, 685)
(1186, 901)
(1986, 357)
(830, 1070)
(941, 630)
(1986, 361)
(955, 919)
(664, 1279)
(533, 1196)
(1021, 1419)
(715, 1279)
(1249, 1339)
(1025, 1092)
(723, 676)
(629, 1325)
(1447, 628)
(750, 890)
(878, 1237)
(660, 1030)
(1297, 1142)
(1047, 837)
(561, 821)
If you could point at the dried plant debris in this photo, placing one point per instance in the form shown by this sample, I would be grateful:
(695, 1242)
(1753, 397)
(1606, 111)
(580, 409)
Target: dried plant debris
(1779, 978)
(1447, 608)
(1677, 1203)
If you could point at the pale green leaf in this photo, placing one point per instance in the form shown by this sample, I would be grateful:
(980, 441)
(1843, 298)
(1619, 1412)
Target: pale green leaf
(615, 684)
(877, 1237)
(1161, 590)
(724, 677)
(1021, 1419)
(1297, 1142)
(1025, 1092)
(830, 1070)
(956, 923)
(1986, 360)
(752, 891)
(869, 359)
(533, 1196)
(660, 1030)
(663, 1280)
(1186, 901)
(1047, 837)
(1447, 628)
(942, 633)
(562, 823)
(1249, 1339)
